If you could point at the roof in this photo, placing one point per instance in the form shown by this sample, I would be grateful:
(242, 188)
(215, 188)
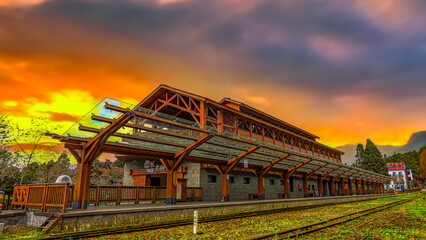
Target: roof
(162, 88)
(223, 101)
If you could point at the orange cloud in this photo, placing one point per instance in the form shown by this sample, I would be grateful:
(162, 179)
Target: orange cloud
(20, 2)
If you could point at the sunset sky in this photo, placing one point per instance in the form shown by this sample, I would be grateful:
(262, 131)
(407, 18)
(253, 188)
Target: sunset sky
(343, 70)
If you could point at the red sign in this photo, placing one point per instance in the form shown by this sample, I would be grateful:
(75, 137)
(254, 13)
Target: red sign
(396, 168)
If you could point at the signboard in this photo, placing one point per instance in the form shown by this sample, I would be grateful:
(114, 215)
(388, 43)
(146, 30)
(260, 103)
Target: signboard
(151, 167)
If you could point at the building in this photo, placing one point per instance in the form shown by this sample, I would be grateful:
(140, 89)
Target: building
(235, 117)
(401, 176)
(227, 150)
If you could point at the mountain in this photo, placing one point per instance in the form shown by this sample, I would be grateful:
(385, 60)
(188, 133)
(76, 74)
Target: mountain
(416, 141)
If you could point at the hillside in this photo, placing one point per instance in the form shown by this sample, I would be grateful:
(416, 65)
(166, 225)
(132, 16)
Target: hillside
(416, 141)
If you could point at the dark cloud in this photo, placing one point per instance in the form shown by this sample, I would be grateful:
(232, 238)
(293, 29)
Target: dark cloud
(273, 40)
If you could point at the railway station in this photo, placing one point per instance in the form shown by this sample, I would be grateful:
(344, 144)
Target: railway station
(227, 149)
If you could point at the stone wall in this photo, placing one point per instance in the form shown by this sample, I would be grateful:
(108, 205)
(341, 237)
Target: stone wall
(22, 218)
(118, 218)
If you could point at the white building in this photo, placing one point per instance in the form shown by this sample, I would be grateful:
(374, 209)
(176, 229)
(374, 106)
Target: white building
(401, 176)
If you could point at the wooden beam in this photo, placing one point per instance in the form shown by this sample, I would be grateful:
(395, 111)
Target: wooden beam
(327, 173)
(293, 169)
(231, 163)
(265, 169)
(309, 174)
(180, 156)
(337, 175)
(75, 154)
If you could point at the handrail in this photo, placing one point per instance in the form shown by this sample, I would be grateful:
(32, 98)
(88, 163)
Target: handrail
(48, 196)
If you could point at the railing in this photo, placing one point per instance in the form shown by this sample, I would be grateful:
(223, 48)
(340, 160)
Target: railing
(125, 194)
(7, 200)
(60, 195)
(42, 196)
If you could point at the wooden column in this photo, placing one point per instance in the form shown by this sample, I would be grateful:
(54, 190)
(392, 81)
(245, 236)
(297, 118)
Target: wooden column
(362, 187)
(357, 190)
(286, 185)
(224, 187)
(260, 186)
(305, 185)
(171, 184)
(332, 188)
(320, 187)
(368, 187)
(82, 183)
(349, 187)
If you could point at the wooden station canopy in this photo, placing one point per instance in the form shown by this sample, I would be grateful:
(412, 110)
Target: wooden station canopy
(176, 127)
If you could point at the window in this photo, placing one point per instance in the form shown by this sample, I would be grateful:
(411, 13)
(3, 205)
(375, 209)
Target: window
(271, 182)
(291, 184)
(394, 174)
(281, 182)
(231, 179)
(246, 180)
(211, 178)
(313, 187)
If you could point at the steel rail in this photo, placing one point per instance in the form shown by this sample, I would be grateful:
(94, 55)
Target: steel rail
(295, 232)
(121, 230)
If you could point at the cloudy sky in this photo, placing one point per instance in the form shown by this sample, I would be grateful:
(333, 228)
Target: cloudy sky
(343, 70)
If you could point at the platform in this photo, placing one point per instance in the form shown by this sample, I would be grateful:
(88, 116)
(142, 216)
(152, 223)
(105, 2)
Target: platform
(115, 216)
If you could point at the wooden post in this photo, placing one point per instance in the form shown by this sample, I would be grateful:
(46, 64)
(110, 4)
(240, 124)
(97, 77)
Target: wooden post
(137, 195)
(320, 187)
(260, 186)
(349, 187)
(332, 188)
(81, 189)
(362, 187)
(66, 196)
(286, 185)
(154, 195)
(305, 185)
(224, 187)
(44, 197)
(171, 186)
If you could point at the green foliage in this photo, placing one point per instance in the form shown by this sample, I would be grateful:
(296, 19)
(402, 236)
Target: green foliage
(370, 158)
(107, 173)
(422, 164)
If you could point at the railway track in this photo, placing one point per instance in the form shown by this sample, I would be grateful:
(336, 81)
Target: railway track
(112, 231)
(315, 227)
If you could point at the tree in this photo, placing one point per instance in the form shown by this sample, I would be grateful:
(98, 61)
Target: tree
(51, 170)
(106, 173)
(422, 165)
(32, 136)
(370, 158)
(359, 155)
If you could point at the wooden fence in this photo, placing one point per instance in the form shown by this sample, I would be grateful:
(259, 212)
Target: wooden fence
(42, 196)
(60, 195)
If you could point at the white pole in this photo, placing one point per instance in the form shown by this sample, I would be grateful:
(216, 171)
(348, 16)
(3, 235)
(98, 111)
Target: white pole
(195, 221)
